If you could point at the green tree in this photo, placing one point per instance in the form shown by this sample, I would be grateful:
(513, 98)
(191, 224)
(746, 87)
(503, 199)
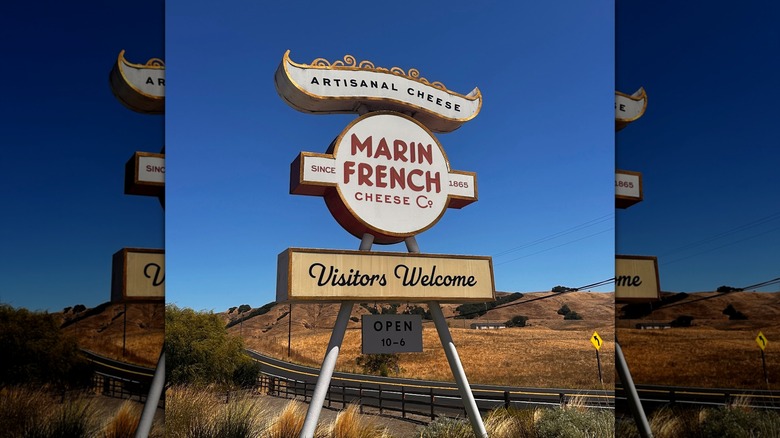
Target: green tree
(564, 310)
(199, 351)
(572, 316)
(34, 350)
(517, 321)
(244, 308)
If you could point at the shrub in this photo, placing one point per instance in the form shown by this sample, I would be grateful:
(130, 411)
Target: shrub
(517, 321)
(35, 351)
(682, 321)
(564, 310)
(444, 427)
(350, 424)
(289, 423)
(474, 310)
(734, 314)
(572, 316)
(199, 350)
(125, 421)
(575, 423)
(380, 364)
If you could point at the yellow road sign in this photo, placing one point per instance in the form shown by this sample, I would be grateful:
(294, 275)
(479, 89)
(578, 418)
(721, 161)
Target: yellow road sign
(761, 340)
(596, 341)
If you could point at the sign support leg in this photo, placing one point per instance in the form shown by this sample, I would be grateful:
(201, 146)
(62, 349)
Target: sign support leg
(457, 370)
(326, 372)
(633, 397)
(155, 391)
(329, 363)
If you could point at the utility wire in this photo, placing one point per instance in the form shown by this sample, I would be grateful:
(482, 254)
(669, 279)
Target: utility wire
(581, 226)
(720, 247)
(762, 284)
(743, 227)
(555, 294)
(554, 247)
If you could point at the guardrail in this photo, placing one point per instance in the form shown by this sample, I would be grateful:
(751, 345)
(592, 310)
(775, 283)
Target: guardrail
(118, 379)
(654, 395)
(418, 402)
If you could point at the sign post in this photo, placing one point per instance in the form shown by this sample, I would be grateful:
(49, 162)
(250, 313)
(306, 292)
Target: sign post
(628, 191)
(141, 88)
(762, 342)
(385, 179)
(595, 339)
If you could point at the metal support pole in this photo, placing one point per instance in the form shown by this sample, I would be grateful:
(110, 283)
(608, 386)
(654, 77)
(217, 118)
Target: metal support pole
(631, 395)
(411, 245)
(155, 391)
(329, 362)
(124, 333)
(326, 372)
(763, 361)
(289, 330)
(598, 362)
(457, 370)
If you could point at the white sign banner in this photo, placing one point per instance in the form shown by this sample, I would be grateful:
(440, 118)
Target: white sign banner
(627, 185)
(387, 334)
(140, 87)
(345, 86)
(151, 169)
(630, 107)
(628, 188)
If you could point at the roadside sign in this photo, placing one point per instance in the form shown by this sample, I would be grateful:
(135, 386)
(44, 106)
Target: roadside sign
(596, 341)
(762, 341)
(385, 334)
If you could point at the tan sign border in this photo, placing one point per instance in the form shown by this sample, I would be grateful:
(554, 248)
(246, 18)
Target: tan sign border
(134, 186)
(284, 287)
(119, 276)
(128, 93)
(638, 299)
(622, 201)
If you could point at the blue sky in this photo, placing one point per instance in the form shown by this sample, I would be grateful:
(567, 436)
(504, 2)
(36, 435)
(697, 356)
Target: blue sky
(541, 146)
(65, 140)
(707, 146)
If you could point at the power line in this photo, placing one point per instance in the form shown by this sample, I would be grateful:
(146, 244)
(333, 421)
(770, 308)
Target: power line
(739, 228)
(554, 294)
(762, 284)
(554, 247)
(720, 247)
(581, 226)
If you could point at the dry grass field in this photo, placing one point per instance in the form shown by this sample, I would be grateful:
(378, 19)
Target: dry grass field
(550, 352)
(714, 351)
(103, 332)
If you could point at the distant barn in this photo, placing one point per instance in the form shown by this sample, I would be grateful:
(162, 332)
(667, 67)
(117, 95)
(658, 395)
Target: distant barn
(487, 325)
(653, 325)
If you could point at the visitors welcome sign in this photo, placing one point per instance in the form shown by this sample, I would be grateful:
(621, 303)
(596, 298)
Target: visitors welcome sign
(338, 275)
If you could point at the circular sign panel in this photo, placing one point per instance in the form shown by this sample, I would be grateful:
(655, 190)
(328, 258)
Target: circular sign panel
(393, 177)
